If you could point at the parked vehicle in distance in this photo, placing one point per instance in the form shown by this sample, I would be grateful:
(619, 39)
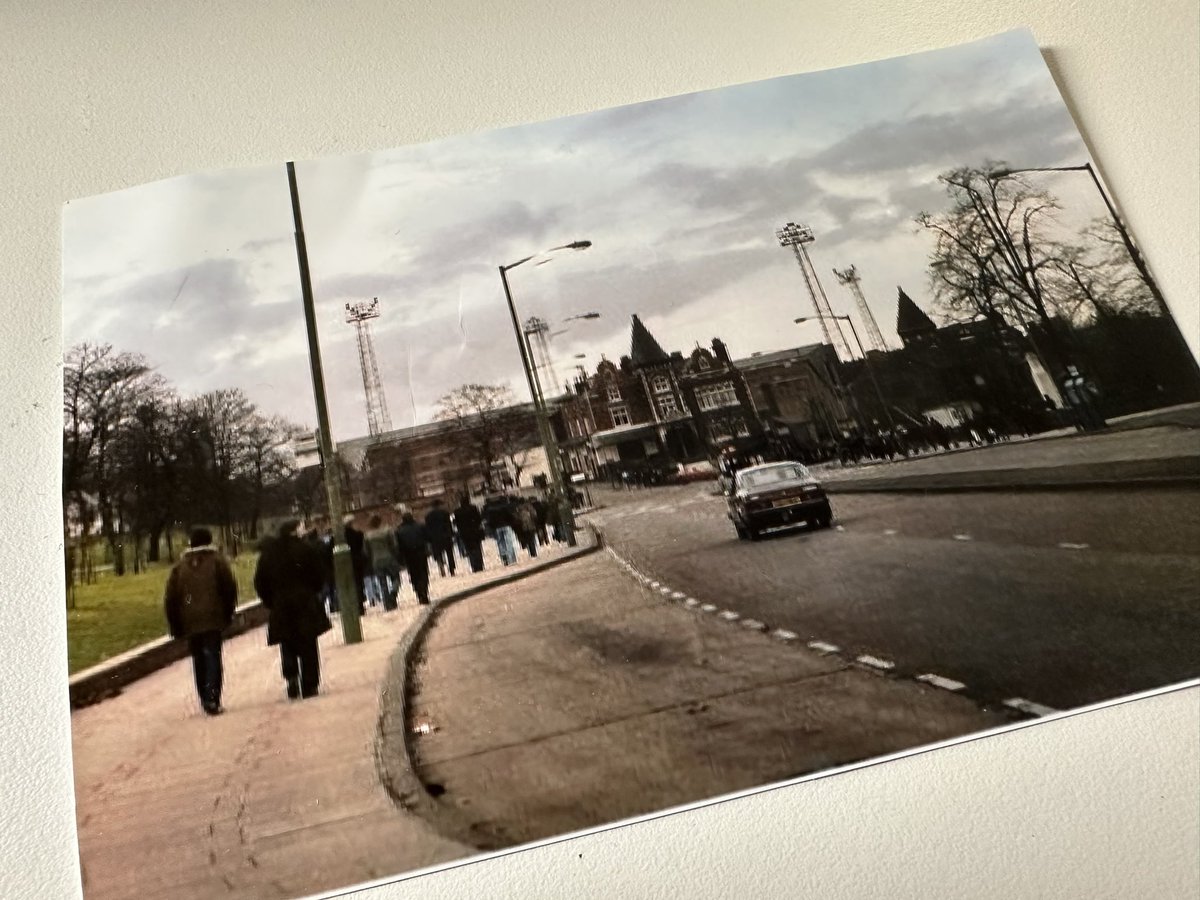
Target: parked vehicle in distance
(776, 496)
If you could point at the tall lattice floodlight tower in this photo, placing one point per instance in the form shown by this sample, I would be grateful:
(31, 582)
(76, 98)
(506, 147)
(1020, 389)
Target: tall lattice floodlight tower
(849, 278)
(796, 236)
(537, 330)
(360, 315)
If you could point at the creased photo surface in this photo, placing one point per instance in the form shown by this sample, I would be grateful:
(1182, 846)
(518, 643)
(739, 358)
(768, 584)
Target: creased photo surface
(428, 503)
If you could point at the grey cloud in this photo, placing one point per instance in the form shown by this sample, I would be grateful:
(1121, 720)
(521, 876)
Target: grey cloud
(1014, 129)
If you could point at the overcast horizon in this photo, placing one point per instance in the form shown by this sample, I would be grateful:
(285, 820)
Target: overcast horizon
(680, 197)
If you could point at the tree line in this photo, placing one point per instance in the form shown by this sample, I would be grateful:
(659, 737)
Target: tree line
(1001, 255)
(140, 459)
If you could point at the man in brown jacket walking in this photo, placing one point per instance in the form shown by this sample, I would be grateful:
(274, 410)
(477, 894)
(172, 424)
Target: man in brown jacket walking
(199, 601)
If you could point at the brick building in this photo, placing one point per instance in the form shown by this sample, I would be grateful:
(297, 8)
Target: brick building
(800, 398)
(655, 410)
(443, 459)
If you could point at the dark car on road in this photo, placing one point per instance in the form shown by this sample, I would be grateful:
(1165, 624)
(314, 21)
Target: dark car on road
(775, 496)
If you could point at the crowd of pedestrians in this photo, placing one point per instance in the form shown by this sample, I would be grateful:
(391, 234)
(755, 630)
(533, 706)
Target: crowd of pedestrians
(295, 579)
(450, 540)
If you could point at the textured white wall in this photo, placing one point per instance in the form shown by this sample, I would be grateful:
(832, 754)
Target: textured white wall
(96, 97)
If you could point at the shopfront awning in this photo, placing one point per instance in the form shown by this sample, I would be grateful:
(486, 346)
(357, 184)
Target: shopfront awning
(623, 433)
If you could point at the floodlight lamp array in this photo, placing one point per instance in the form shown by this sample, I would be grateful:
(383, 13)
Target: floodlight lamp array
(792, 235)
(360, 312)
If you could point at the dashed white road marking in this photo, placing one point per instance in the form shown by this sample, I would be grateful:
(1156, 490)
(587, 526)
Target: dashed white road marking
(754, 625)
(729, 615)
(1067, 545)
(784, 635)
(889, 531)
(678, 595)
(876, 663)
(824, 647)
(946, 684)
(840, 528)
(962, 537)
(654, 584)
(664, 590)
(1028, 706)
(691, 602)
(708, 607)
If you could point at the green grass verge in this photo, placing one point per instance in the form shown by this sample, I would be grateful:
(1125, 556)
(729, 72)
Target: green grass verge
(117, 613)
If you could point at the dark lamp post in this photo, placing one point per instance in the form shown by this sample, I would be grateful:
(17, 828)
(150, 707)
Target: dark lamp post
(546, 432)
(343, 567)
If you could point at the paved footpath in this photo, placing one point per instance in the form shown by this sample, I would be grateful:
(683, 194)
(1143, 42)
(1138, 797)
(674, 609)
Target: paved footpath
(1152, 452)
(272, 799)
(581, 696)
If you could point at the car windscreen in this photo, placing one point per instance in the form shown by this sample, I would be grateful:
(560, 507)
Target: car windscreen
(775, 475)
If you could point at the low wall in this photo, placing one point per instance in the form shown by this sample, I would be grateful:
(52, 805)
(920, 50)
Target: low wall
(109, 678)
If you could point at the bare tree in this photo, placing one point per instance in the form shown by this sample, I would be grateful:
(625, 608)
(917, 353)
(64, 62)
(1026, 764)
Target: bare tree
(994, 256)
(101, 388)
(490, 428)
(1100, 276)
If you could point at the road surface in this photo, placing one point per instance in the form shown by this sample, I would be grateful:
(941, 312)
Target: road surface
(1064, 598)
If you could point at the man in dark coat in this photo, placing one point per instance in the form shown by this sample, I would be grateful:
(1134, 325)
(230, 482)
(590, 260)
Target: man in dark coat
(199, 602)
(441, 537)
(316, 539)
(539, 508)
(469, 523)
(526, 525)
(288, 581)
(412, 540)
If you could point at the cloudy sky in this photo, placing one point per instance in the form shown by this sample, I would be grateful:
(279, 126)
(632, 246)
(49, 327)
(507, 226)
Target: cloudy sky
(680, 197)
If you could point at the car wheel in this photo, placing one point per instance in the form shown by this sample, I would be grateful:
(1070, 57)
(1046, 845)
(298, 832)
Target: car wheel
(825, 519)
(741, 532)
(753, 533)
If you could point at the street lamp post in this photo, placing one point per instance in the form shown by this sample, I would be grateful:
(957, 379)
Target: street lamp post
(553, 460)
(1134, 254)
(343, 567)
(887, 411)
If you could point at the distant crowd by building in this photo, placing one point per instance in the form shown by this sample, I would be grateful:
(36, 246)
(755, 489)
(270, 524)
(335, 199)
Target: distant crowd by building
(655, 414)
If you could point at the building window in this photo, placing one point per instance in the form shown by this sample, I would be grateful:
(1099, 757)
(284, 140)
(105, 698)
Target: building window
(714, 396)
(620, 415)
(667, 407)
(661, 384)
(740, 428)
(704, 363)
(614, 392)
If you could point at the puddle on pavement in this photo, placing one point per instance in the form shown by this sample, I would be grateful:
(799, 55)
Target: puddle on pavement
(616, 646)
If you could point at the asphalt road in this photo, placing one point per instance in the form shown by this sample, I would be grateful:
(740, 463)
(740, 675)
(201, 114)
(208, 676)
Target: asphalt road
(1062, 598)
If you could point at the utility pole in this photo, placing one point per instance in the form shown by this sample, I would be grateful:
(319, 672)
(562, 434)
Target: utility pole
(545, 430)
(343, 568)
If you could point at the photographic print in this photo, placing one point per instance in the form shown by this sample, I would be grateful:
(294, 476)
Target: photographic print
(431, 502)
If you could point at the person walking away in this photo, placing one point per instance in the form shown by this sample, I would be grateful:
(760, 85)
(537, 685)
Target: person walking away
(554, 519)
(469, 525)
(381, 548)
(500, 520)
(412, 540)
(316, 540)
(440, 529)
(356, 541)
(527, 527)
(288, 581)
(199, 602)
(542, 513)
